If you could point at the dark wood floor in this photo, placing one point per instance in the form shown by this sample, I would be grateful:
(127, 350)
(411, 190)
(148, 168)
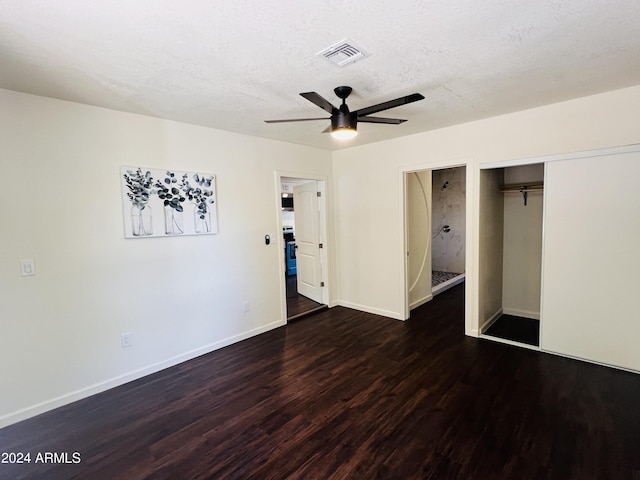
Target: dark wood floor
(349, 395)
(298, 305)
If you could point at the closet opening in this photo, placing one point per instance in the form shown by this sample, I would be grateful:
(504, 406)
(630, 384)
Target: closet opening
(510, 262)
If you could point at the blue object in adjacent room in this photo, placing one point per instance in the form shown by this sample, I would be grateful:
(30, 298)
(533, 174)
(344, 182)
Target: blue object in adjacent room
(290, 255)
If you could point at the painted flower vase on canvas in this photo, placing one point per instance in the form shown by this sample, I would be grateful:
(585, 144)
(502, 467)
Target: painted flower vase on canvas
(169, 190)
(173, 221)
(183, 201)
(201, 196)
(202, 222)
(138, 190)
(141, 220)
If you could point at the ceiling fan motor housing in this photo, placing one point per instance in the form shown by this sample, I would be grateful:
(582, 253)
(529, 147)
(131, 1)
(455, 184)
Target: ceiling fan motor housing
(342, 92)
(342, 120)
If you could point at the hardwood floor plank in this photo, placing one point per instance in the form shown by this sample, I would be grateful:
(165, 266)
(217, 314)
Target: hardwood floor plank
(298, 306)
(350, 395)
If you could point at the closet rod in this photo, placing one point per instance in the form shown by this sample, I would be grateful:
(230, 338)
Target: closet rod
(517, 187)
(520, 190)
(523, 188)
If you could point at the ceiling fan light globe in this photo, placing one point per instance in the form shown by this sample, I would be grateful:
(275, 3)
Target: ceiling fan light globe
(344, 133)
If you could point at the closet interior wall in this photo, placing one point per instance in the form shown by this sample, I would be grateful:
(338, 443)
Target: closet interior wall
(522, 253)
(490, 245)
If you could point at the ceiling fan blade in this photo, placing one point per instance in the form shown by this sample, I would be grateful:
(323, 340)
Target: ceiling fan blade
(393, 121)
(323, 103)
(414, 97)
(326, 130)
(296, 120)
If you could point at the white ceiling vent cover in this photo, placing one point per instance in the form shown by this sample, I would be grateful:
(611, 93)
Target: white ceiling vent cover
(343, 53)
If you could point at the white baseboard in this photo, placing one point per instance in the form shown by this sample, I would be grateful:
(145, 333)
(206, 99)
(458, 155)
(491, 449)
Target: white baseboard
(521, 313)
(375, 311)
(420, 301)
(595, 362)
(510, 342)
(99, 387)
(448, 284)
(487, 323)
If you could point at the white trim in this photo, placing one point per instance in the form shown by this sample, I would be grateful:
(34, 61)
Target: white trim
(375, 311)
(595, 362)
(485, 326)
(509, 342)
(444, 286)
(421, 301)
(402, 217)
(472, 252)
(521, 313)
(563, 156)
(99, 387)
(282, 279)
(542, 257)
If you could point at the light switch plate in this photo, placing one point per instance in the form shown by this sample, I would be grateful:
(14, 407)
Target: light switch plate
(27, 268)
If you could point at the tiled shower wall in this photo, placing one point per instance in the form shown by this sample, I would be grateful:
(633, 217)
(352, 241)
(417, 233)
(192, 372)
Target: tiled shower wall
(449, 194)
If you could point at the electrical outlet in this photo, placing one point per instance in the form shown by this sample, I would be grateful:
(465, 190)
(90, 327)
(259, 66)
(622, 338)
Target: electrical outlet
(246, 306)
(125, 340)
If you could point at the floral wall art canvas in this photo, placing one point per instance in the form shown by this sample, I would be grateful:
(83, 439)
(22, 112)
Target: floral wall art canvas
(164, 203)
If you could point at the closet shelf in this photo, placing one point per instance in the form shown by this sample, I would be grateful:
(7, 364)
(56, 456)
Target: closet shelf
(523, 188)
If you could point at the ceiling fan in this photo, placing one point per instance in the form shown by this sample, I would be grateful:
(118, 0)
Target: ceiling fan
(344, 123)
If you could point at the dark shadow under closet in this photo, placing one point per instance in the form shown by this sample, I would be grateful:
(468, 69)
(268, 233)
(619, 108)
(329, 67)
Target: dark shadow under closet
(516, 329)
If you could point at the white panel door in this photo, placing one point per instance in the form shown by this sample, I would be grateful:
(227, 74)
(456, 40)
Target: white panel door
(591, 267)
(306, 216)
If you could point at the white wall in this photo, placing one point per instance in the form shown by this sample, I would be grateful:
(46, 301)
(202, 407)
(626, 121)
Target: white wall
(369, 228)
(178, 297)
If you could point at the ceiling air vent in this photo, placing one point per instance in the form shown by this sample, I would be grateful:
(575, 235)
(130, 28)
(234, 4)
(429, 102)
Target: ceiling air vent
(343, 53)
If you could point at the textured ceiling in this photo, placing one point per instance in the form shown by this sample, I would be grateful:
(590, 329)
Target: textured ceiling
(231, 65)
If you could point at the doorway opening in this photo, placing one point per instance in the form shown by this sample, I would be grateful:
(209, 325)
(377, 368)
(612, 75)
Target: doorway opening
(435, 220)
(303, 221)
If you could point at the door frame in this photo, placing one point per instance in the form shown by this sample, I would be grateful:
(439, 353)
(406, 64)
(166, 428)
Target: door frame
(325, 238)
(471, 179)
